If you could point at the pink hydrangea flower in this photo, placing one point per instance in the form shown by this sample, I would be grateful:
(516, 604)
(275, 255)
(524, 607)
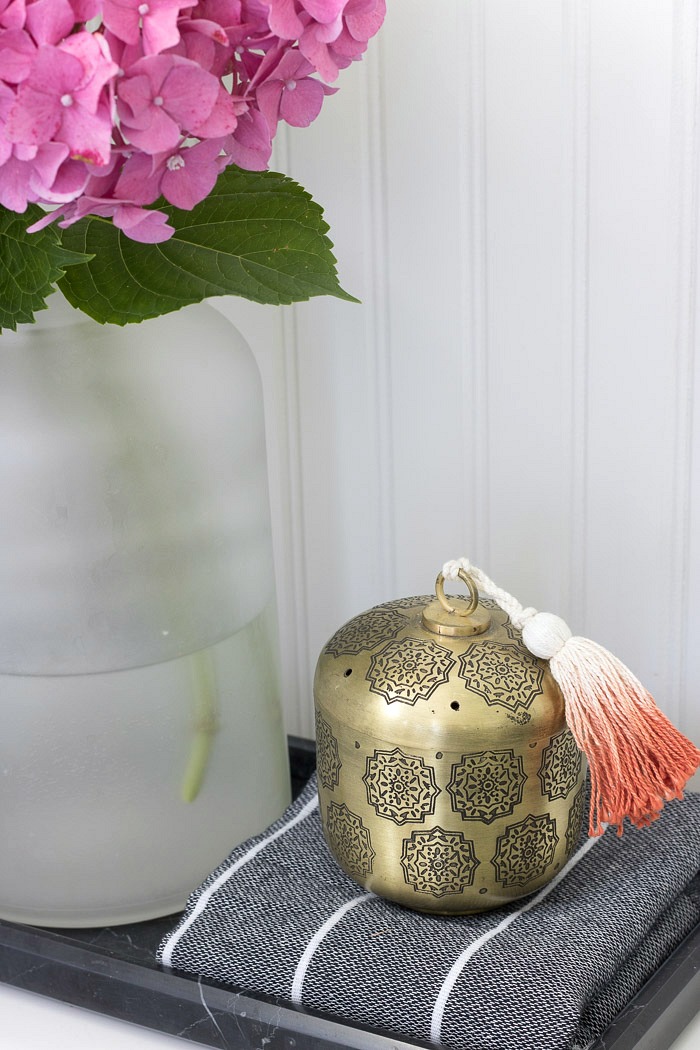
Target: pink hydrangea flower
(107, 105)
(361, 19)
(154, 20)
(31, 173)
(61, 99)
(162, 98)
(289, 92)
(184, 177)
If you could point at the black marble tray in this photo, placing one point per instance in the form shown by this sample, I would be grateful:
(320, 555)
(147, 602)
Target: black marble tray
(113, 971)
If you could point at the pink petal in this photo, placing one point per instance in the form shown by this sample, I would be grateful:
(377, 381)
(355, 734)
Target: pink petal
(250, 145)
(225, 12)
(140, 224)
(364, 24)
(84, 10)
(206, 27)
(139, 181)
(87, 135)
(123, 20)
(14, 185)
(137, 93)
(69, 183)
(200, 49)
(221, 121)
(327, 32)
(161, 135)
(98, 67)
(268, 97)
(325, 10)
(284, 20)
(14, 15)
(125, 55)
(17, 52)
(49, 21)
(302, 105)
(101, 181)
(319, 54)
(34, 118)
(46, 220)
(159, 35)
(189, 94)
(347, 49)
(192, 176)
(46, 162)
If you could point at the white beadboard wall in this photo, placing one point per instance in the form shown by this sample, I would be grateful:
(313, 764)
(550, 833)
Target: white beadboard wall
(512, 188)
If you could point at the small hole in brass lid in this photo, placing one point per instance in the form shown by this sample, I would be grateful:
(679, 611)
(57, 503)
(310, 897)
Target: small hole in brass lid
(456, 617)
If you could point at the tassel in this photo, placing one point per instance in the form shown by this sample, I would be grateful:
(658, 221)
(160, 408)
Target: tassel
(637, 758)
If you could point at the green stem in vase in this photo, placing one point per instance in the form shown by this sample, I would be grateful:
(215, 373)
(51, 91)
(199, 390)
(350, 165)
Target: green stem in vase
(206, 723)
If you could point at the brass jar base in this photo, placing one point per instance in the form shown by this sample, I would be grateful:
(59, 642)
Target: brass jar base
(448, 779)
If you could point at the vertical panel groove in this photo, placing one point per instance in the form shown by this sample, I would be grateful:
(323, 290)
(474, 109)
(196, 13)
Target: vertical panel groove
(579, 60)
(686, 151)
(473, 306)
(379, 328)
(295, 573)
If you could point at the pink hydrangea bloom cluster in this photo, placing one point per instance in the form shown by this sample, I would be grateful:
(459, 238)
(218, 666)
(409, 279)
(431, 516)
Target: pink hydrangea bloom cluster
(105, 105)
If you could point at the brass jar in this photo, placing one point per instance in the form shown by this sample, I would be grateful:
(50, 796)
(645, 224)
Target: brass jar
(448, 780)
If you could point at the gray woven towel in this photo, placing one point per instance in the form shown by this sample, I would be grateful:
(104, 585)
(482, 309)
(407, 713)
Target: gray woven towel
(280, 918)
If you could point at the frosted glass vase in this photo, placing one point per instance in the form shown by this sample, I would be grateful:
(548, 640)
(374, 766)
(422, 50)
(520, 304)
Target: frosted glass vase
(141, 733)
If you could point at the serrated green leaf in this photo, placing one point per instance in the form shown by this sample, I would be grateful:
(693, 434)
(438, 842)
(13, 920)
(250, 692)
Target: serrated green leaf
(258, 235)
(30, 265)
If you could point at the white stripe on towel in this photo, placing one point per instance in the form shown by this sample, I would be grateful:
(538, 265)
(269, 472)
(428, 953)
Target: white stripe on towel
(227, 873)
(462, 960)
(303, 964)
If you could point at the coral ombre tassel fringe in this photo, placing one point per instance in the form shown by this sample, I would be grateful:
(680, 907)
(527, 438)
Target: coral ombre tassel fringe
(637, 758)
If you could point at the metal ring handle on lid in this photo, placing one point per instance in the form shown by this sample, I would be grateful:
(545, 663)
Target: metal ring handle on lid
(473, 594)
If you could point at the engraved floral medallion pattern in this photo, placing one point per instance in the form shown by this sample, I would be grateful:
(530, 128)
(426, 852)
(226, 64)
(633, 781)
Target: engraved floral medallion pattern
(501, 674)
(328, 764)
(511, 630)
(489, 603)
(486, 785)
(349, 840)
(417, 601)
(561, 766)
(516, 634)
(400, 787)
(438, 862)
(573, 829)
(525, 851)
(366, 631)
(408, 670)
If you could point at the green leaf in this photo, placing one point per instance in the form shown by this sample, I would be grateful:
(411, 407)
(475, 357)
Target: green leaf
(258, 235)
(30, 265)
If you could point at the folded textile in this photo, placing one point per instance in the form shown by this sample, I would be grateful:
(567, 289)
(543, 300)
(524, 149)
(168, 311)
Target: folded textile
(548, 972)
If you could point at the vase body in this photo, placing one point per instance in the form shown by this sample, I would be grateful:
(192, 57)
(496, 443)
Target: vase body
(142, 733)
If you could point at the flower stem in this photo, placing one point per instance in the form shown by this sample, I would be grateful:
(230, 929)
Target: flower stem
(206, 723)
